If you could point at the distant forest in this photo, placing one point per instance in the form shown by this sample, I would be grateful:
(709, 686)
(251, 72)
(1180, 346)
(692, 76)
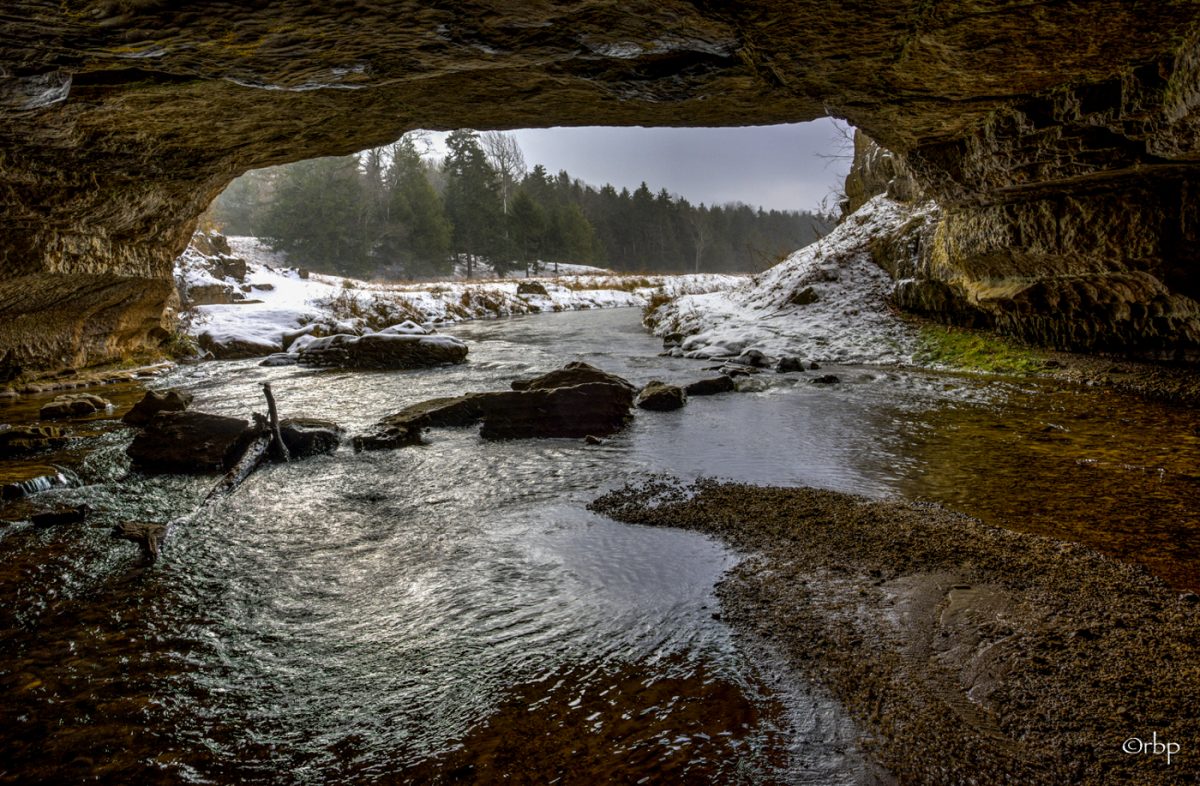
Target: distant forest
(391, 212)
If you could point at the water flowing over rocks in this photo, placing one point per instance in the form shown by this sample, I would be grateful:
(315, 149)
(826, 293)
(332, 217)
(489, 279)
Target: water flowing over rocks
(1059, 139)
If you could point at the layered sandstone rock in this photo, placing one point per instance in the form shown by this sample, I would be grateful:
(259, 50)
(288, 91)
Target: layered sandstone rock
(1061, 139)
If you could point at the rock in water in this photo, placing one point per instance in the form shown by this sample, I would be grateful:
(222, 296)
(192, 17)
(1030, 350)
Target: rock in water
(575, 373)
(826, 379)
(661, 397)
(62, 515)
(156, 401)
(74, 405)
(309, 436)
(190, 442)
(709, 387)
(577, 411)
(575, 401)
(753, 358)
(147, 535)
(383, 351)
(22, 440)
(788, 365)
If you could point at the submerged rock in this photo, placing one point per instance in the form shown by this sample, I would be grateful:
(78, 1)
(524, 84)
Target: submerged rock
(710, 387)
(61, 515)
(156, 401)
(661, 397)
(190, 442)
(826, 379)
(383, 351)
(74, 405)
(23, 440)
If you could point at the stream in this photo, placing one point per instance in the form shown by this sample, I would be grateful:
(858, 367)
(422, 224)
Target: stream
(453, 613)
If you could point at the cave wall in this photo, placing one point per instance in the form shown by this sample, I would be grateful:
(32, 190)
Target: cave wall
(1061, 139)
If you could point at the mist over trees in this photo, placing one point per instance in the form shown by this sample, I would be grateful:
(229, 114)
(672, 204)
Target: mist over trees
(395, 213)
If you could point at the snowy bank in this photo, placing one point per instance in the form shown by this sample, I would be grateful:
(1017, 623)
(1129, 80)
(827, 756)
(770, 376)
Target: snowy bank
(826, 302)
(270, 299)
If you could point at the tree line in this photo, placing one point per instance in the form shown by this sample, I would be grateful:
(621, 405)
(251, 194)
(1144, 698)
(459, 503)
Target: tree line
(395, 213)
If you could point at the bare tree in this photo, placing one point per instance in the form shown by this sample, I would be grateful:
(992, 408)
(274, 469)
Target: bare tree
(505, 156)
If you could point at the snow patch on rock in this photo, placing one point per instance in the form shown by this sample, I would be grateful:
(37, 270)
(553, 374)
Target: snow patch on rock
(826, 302)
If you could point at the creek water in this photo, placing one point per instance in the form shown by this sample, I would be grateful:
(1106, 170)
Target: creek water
(453, 613)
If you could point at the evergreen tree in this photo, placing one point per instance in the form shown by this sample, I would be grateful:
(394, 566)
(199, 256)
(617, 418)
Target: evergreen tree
(416, 242)
(315, 216)
(528, 223)
(472, 203)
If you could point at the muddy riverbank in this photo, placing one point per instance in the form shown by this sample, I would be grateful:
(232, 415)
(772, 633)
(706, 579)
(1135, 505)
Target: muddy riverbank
(968, 653)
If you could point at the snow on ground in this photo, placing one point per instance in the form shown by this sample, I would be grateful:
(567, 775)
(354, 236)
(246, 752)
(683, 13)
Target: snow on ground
(826, 302)
(278, 300)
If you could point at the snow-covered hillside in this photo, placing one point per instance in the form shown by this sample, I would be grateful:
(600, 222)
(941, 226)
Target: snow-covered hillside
(826, 302)
(268, 299)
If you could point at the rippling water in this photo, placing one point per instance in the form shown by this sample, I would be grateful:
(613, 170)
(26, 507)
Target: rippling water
(452, 612)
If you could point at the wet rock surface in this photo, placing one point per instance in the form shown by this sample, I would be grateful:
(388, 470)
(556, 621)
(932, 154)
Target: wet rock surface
(154, 402)
(23, 440)
(938, 633)
(576, 401)
(383, 351)
(74, 405)
(305, 437)
(711, 387)
(660, 397)
(188, 442)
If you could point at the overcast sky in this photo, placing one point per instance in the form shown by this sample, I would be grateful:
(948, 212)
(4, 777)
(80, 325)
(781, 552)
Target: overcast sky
(783, 167)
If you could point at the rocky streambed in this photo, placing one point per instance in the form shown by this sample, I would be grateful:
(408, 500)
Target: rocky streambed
(452, 609)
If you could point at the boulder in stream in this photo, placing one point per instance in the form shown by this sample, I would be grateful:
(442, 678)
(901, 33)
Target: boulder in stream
(383, 351)
(575, 373)
(660, 397)
(788, 365)
(710, 387)
(309, 436)
(156, 401)
(190, 442)
(64, 514)
(74, 405)
(576, 401)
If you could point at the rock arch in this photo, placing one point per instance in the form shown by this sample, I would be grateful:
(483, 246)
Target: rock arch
(1060, 138)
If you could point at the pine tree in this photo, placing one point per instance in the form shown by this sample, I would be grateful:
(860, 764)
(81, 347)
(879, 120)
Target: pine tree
(315, 216)
(472, 203)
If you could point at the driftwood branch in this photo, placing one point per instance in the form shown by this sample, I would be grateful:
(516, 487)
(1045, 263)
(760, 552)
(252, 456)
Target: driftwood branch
(279, 450)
